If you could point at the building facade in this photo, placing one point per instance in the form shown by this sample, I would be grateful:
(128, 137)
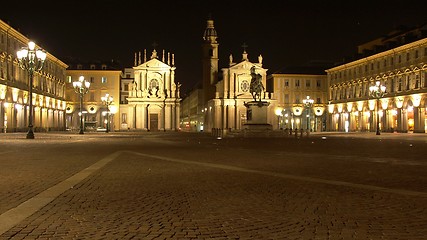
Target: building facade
(401, 68)
(103, 80)
(291, 89)
(48, 95)
(192, 112)
(153, 102)
(224, 98)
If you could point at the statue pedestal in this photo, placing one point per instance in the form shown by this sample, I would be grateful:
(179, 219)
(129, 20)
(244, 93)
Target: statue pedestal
(256, 116)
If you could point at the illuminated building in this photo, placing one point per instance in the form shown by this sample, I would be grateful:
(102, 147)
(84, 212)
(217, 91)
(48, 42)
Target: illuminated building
(225, 92)
(399, 62)
(48, 93)
(291, 86)
(153, 101)
(104, 77)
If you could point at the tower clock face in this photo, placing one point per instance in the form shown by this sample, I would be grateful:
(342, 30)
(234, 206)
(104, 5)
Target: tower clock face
(244, 86)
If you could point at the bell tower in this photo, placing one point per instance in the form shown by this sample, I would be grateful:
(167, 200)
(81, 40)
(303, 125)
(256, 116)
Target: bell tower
(209, 61)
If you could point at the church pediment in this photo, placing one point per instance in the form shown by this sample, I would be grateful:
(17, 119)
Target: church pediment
(242, 65)
(152, 63)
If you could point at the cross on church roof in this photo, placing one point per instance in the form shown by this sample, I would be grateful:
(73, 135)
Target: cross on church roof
(244, 46)
(154, 45)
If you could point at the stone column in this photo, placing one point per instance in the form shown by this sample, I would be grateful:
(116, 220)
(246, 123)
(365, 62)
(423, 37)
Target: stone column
(402, 120)
(131, 117)
(399, 120)
(139, 117)
(419, 120)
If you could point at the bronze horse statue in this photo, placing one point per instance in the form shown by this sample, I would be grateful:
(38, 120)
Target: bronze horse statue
(256, 86)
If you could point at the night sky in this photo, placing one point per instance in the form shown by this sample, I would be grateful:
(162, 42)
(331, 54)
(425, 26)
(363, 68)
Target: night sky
(286, 33)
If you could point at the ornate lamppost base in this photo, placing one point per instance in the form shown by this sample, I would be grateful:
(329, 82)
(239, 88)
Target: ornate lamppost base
(81, 131)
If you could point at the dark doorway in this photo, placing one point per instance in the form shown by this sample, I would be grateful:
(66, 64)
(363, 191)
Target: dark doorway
(154, 122)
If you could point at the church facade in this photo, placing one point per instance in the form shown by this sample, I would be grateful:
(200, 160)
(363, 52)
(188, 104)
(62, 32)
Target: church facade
(224, 99)
(153, 103)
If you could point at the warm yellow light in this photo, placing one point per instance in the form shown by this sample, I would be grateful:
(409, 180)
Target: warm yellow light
(113, 109)
(318, 111)
(31, 45)
(399, 102)
(371, 104)
(2, 91)
(297, 111)
(416, 100)
(360, 106)
(411, 122)
(349, 107)
(394, 112)
(41, 55)
(384, 104)
(331, 108)
(15, 92)
(340, 107)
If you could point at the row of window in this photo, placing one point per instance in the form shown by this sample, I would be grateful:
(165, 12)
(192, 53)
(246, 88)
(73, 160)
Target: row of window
(298, 99)
(306, 82)
(394, 84)
(45, 83)
(377, 64)
(91, 79)
(92, 67)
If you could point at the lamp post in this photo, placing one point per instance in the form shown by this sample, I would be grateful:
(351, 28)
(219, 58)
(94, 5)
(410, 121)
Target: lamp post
(31, 59)
(377, 91)
(81, 87)
(107, 100)
(308, 102)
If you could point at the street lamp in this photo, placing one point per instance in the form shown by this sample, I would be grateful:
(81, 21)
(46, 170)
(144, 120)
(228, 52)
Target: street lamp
(31, 59)
(308, 102)
(377, 91)
(81, 87)
(107, 100)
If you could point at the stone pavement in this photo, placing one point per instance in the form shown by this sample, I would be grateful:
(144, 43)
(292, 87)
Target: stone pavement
(194, 186)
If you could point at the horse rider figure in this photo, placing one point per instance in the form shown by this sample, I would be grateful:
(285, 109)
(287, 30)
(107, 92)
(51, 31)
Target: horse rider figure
(256, 86)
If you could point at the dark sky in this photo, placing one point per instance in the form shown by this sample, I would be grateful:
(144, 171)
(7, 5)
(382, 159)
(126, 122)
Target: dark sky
(286, 33)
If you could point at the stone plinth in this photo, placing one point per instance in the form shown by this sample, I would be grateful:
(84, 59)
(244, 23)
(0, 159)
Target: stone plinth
(256, 116)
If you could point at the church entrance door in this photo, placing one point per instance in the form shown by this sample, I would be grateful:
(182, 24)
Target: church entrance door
(154, 122)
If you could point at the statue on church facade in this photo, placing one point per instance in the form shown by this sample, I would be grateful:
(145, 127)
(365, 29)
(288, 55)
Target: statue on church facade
(256, 86)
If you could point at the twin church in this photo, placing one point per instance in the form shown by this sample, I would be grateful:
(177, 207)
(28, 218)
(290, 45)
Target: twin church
(154, 101)
(147, 95)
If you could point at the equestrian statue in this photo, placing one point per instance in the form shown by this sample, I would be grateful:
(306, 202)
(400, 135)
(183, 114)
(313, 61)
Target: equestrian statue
(256, 86)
